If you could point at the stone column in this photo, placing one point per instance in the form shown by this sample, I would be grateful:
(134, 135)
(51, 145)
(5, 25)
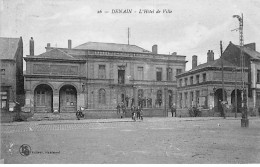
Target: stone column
(29, 101)
(80, 100)
(135, 95)
(211, 100)
(56, 101)
(228, 96)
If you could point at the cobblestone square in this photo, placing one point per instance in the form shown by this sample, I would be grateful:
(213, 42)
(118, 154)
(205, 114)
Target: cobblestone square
(122, 141)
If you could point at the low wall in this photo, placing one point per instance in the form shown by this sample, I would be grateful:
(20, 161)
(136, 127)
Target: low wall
(149, 112)
(95, 114)
(206, 113)
(7, 116)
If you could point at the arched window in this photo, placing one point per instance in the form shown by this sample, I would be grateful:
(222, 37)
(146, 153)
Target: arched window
(102, 96)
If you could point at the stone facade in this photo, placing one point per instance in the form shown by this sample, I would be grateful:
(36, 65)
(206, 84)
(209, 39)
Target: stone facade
(12, 81)
(99, 76)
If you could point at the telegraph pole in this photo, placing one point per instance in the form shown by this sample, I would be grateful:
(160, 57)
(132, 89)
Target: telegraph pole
(222, 70)
(236, 92)
(244, 120)
(128, 35)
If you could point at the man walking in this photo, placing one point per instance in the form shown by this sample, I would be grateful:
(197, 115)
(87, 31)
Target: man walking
(173, 110)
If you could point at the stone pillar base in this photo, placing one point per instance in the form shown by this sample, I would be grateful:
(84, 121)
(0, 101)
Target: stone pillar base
(244, 122)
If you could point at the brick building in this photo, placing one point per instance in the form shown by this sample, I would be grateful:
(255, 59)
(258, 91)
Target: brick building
(252, 63)
(12, 81)
(98, 76)
(202, 85)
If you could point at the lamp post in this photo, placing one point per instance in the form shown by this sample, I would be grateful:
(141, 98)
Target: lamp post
(244, 120)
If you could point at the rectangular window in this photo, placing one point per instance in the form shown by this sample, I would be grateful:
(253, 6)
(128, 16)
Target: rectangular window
(169, 74)
(180, 82)
(197, 98)
(178, 71)
(186, 81)
(121, 76)
(191, 98)
(101, 71)
(197, 79)
(204, 77)
(180, 100)
(258, 76)
(159, 74)
(191, 80)
(2, 71)
(140, 74)
(185, 99)
(4, 99)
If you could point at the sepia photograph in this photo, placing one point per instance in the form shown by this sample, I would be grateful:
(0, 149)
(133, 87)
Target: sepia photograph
(130, 82)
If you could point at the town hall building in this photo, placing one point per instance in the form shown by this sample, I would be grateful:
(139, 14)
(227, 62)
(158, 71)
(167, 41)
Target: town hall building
(98, 76)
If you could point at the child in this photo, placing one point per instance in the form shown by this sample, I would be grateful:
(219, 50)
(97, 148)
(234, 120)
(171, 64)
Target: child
(134, 116)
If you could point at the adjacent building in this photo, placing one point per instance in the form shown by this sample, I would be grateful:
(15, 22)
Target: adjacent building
(208, 84)
(99, 76)
(12, 81)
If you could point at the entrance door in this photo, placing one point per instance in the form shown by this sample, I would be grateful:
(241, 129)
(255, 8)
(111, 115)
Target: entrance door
(68, 99)
(218, 98)
(43, 96)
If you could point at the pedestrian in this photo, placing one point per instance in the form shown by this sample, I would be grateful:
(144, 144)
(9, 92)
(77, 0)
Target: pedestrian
(132, 111)
(173, 110)
(118, 109)
(259, 111)
(141, 114)
(123, 109)
(138, 112)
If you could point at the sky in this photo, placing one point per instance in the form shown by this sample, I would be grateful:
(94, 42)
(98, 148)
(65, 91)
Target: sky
(192, 27)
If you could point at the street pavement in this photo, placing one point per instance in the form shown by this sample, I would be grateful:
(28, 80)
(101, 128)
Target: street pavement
(122, 141)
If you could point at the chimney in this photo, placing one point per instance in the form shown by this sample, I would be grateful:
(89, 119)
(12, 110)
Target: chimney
(174, 53)
(250, 45)
(31, 47)
(69, 44)
(210, 56)
(154, 49)
(194, 61)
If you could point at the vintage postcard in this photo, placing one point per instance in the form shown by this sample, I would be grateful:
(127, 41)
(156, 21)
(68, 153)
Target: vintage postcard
(130, 81)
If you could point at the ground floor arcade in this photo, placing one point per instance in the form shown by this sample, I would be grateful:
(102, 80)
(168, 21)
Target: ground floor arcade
(68, 97)
(210, 97)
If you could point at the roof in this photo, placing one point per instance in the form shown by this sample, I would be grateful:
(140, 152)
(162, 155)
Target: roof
(111, 47)
(215, 63)
(251, 52)
(55, 54)
(8, 47)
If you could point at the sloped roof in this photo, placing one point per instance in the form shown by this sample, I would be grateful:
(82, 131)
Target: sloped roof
(215, 63)
(55, 54)
(251, 52)
(8, 47)
(111, 47)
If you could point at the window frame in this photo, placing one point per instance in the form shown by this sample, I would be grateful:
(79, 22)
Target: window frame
(169, 74)
(159, 71)
(258, 76)
(140, 73)
(102, 96)
(102, 72)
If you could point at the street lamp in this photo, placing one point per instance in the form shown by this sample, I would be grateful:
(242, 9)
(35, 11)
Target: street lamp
(244, 120)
